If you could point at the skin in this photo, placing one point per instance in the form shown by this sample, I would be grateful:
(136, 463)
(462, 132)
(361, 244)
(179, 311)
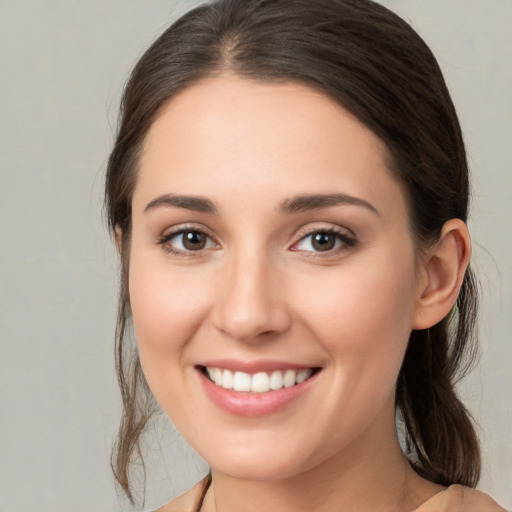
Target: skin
(260, 290)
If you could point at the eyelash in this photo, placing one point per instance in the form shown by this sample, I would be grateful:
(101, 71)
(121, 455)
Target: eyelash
(346, 240)
(165, 239)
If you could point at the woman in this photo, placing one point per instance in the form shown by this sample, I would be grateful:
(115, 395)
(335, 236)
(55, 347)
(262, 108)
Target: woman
(289, 191)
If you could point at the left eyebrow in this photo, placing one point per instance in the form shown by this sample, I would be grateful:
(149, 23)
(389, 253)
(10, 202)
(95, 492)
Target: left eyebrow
(195, 203)
(314, 202)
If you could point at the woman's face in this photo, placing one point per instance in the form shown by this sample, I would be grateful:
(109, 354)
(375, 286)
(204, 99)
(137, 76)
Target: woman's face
(270, 245)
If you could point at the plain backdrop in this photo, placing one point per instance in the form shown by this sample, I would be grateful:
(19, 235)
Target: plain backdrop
(62, 67)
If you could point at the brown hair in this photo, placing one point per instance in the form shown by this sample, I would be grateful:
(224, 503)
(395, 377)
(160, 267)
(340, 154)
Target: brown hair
(375, 65)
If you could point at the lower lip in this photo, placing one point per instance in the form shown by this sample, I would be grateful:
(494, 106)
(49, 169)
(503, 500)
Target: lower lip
(254, 404)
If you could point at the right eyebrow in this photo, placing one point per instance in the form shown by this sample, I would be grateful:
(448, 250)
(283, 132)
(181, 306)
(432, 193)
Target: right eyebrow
(303, 203)
(195, 203)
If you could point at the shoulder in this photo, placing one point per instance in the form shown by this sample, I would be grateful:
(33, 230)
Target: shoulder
(458, 498)
(190, 501)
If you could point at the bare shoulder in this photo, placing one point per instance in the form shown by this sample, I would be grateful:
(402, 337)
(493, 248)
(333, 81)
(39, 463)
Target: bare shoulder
(188, 502)
(478, 501)
(461, 499)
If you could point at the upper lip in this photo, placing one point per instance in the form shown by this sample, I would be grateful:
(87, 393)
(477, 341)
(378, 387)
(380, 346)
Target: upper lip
(263, 365)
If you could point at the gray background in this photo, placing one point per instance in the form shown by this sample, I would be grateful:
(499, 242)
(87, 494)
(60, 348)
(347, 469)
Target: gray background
(62, 67)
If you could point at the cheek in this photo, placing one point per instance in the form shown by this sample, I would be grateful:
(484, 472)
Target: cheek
(363, 322)
(167, 308)
(363, 319)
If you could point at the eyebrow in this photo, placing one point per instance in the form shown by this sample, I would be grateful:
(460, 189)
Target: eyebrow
(314, 202)
(195, 203)
(295, 204)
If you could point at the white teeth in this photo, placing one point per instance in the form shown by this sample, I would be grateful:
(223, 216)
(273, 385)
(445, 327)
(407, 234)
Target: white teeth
(276, 380)
(289, 378)
(227, 379)
(241, 381)
(260, 382)
(303, 375)
(217, 376)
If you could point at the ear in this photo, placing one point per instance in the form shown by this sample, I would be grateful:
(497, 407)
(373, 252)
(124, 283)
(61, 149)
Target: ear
(442, 274)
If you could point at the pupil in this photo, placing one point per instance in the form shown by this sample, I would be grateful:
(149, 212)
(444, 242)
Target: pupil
(194, 240)
(323, 241)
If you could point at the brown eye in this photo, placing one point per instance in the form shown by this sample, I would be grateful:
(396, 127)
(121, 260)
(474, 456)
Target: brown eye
(193, 240)
(323, 241)
(186, 241)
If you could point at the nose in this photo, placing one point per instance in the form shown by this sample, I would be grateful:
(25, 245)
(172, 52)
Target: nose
(250, 303)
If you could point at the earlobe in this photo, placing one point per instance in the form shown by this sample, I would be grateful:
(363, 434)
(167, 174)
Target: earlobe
(444, 270)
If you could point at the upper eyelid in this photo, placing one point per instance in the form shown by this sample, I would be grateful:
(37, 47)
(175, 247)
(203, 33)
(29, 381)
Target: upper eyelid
(346, 239)
(308, 230)
(180, 228)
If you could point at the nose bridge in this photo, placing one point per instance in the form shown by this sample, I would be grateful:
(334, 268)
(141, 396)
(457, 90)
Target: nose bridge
(250, 302)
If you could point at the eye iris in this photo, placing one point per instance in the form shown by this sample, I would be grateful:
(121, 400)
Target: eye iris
(323, 241)
(194, 240)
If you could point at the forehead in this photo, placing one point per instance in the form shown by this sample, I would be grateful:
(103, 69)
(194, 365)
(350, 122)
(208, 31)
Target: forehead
(263, 137)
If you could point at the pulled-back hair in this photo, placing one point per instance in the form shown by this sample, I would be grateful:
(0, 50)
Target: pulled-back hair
(371, 62)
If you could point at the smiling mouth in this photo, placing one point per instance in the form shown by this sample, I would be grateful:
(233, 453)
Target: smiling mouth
(260, 382)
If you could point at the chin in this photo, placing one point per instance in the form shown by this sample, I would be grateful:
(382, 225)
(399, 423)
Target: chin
(263, 471)
(257, 462)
